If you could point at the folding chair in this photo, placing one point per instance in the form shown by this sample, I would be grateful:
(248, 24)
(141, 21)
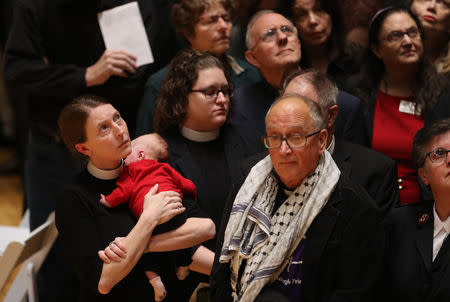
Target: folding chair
(31, 249)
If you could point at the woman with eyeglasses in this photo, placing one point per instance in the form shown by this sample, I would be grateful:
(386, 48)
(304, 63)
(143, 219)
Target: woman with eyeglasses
(191, 115)
(202, 25)
(418, 245)
(399, 89)
(434, 16)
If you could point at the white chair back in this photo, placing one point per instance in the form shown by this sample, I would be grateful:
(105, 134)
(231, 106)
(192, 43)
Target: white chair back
(31, 249)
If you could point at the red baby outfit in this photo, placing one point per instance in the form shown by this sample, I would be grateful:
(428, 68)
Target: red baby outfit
(139, 177)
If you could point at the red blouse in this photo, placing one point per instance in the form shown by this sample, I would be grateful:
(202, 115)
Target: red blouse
(393, 133)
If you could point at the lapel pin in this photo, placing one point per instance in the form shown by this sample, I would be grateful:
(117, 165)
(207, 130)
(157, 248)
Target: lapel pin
(423, 218)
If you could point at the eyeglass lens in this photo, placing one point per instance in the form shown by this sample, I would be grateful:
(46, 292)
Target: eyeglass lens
(272, 33)
(398, 35)
(439, 155)
(293, 141)
(212, 92)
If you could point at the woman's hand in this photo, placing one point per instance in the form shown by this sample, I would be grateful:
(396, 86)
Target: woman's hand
(115, 251)
(162, 206)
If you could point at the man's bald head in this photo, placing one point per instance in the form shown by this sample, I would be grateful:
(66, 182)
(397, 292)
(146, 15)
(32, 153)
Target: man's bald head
(314, 85)
(314, 110)
(318, 87)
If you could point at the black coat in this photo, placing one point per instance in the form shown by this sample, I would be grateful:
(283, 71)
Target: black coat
(411, 273)
(343, 253)
(238, 144)
(252, 102)
(52, 42)
(375, 172)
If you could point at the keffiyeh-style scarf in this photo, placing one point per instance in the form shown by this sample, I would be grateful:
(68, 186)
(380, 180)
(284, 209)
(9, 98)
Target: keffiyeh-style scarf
(266, 241)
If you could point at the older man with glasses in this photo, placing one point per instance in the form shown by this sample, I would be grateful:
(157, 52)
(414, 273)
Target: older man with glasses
(296, 226)
(274, 49)
(418, 246)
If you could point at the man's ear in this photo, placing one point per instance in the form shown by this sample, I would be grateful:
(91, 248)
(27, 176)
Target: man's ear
(250, 56)
(322, 135)
(83, 149)
(332, 115)
(423, 176)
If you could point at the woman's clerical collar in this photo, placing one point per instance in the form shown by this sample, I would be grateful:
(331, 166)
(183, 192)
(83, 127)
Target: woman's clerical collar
(105, 174)
(198, 136)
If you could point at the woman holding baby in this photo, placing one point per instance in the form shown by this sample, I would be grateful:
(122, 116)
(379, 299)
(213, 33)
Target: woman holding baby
(94, 129)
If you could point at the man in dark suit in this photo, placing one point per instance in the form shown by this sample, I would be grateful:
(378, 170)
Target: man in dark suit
(296, 225)
(55, 52)
(375, 172)
(275, 52)
(418, 267)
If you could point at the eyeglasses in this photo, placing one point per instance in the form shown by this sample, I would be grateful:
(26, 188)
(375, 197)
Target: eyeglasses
(440, 3)
(438, 155)
(271, 34)
(293, 141)
(211, 93)
(397, 35)
(212, 19)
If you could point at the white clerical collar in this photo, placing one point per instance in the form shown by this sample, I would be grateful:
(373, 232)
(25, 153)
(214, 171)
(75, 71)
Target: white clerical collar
(105, 174)
(438, 224)
(198, 136)
(330, 148)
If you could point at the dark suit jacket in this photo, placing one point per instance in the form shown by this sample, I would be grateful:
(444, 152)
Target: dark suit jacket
(411, 273)
(375, 172)
(343, 250)
(252, 102)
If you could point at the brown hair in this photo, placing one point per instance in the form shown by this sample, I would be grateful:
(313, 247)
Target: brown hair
(183, 72)
(424, 136)
(185, 14)
(72, 119)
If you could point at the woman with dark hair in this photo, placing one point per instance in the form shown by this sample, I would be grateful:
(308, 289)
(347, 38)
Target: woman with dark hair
(320, 30)
(202, 25)
(418, 245)
(434, 16)
(95, 130)
(191, 115)
(399, 89)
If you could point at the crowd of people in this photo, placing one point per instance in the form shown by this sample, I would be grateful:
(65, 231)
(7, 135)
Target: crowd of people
(276, 150)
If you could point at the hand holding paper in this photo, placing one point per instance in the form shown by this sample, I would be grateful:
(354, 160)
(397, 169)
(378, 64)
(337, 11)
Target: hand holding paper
(112, 62)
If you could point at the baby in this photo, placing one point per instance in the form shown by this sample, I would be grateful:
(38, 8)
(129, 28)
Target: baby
(141, 172)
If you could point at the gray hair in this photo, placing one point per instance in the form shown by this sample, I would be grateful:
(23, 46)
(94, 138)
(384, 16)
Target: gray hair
(325, 88)
(424, 136)
(249, 41)
(315, 111)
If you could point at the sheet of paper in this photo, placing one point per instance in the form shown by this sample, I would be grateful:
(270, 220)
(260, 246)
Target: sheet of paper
(123, 29)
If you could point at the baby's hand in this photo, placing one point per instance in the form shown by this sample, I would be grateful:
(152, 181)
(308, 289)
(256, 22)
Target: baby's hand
(104, 202)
